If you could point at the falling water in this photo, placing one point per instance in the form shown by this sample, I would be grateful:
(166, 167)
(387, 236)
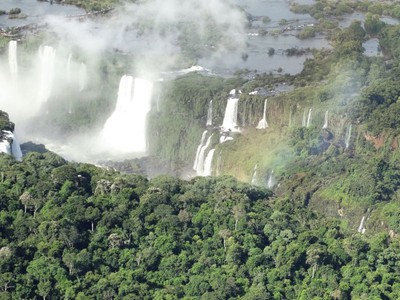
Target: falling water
(271, 181)
(203, 139)
(201, 161)
(12, 59)
(12, 148)
(82, 77)
(69, 68)
(361, 228)
(348, 136)
(263, 122)
(231, 111)
(304, 122)
(46, 57)
(208, 163)
(254, 176)
(309, 118)
(326, 120)
(125, 129)
(209, 114)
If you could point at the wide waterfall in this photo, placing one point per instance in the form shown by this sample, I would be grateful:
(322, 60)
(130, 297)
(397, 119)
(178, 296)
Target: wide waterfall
(209, 114)
(46, 57)
(208, 163)
(200, 165)
(231, 113)
(82, 77)
(12, 148)
(12, 59)
(263, 122)
(309, 118)
(202, 141)
(348, 136)
(125, 129)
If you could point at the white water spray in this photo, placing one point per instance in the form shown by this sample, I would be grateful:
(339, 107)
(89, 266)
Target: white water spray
(263, 122)
(231, 112)
(12, 59)
(326, 120)
(83, 77)
(209, 114)
(125, 129)
(69, 68)
(46, 57)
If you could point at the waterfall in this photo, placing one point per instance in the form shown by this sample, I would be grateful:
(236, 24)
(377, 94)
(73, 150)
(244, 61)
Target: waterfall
(304, 122)
(361, 228)
(348, 136)
(271, 181)
(125, 129)
(69, 68)
(326, 120)
(203, 139)
(201, 160)
(263, 122)
(12, 59)
(46, 57)
(231, 111)
(209, 114)
(12, 148)
(254, 176)
(309, 118)
(208, 163)
(82, 77)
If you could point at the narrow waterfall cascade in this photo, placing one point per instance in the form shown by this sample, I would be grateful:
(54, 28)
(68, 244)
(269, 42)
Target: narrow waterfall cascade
(47, 56)
(219, 164)
(12, 59)
(348, 137)
(326, 120)
(69, 68)
(263, 122)
(202, 156)
(202, 141)
(83, 77)
(309, 118)
(361, 229)
(125, 129)
(304, 120)
(271, 181)
(208, 163)
(231, 113)
(254, 176)
(209, 114)
(12, 148)
(70, 107)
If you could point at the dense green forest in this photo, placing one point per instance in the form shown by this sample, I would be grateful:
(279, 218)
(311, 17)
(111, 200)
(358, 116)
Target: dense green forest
(76, 231)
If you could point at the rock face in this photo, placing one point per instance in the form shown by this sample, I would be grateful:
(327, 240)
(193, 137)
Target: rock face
(8, 142)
